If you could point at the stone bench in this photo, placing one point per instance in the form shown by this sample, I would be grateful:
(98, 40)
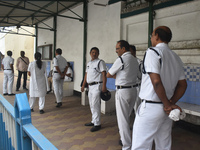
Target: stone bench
(106, 106)
(68, 88)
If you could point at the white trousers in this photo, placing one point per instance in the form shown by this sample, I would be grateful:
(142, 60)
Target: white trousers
(95, 103)
(58, 87)
(138, 100)
(41, 102)
(8, 81)
(151, 124)
(125, 100)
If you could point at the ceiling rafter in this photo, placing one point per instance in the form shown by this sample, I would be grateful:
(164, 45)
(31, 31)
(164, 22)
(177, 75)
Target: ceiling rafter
(32, 12)
(41, 12)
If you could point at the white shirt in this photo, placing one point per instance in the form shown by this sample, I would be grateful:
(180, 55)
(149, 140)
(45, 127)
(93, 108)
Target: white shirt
(170, 71)
(69, 70)
(94, 73)
(7, 61)
(61, 62)
(127, 76)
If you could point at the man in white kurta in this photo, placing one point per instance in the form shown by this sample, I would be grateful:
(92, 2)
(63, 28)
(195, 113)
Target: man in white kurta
(7, 66)
(124, 70)
(163, 84)
(95, 76)
(59, 70)
(38, 84)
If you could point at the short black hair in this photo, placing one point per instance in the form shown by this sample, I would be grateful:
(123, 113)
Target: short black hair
(94, 48)
(59, 51)
(9, 53)
(133, 48)
(22, 53)
(164, 35)
(125, 44)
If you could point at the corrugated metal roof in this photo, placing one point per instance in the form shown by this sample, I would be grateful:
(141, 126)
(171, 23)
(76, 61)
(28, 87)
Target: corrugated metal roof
(32, 12)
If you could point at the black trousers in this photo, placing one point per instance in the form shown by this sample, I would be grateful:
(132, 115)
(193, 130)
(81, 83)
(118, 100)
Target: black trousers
(19, 79)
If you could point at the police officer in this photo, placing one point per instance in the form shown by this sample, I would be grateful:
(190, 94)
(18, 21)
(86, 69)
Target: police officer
(95, 76)
(60, 69)
(163, 84)
(125, 71)
(7, 66)
(139, 77)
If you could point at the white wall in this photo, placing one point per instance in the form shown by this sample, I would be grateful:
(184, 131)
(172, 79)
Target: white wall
(2, 43)
(104, 29)
(70, 40)
(103, 32)
(45, 37)
(17, 43)
(184, 21)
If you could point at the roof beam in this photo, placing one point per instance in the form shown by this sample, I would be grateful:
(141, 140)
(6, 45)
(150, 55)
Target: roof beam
(10, 12)
(71, 11)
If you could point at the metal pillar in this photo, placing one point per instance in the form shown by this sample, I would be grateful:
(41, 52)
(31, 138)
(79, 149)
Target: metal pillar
(55, 34)
(150, 29)
(36, 37)
(85, 15)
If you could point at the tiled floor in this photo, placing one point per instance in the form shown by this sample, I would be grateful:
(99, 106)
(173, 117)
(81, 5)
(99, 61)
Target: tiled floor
(64, 127)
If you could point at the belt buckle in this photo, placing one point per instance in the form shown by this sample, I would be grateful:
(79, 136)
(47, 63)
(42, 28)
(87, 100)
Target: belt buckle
(120, 87)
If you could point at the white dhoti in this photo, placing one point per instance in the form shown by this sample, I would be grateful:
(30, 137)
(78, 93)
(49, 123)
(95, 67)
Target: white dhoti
(125, 100)
(95, 103)
(8, 81)
(151, 123)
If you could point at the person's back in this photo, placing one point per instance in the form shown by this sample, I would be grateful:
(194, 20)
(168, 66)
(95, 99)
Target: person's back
(59, 70)
(163, 84)
(128, 74)
(40, 72)
(62, 63)
(6, 62)
(170, 71)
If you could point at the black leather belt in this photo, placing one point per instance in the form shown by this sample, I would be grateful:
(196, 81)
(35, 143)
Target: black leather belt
(126, 87)
(7, 69)
(57, 72)
(93, 83)
(152, 102)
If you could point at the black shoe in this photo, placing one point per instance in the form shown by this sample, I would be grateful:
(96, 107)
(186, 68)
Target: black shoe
(17, 89)
(5, 93)
(95, 128)
(41, 111)
(32, 110)
(49, 91)
(25, 88)
(12, 94)
(89, 124)
(59, 104)
(120, 143)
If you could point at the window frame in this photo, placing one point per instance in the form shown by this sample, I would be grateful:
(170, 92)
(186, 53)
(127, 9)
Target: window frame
(43, 51)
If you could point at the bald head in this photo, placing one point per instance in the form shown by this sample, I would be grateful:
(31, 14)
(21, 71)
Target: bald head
(164, 33)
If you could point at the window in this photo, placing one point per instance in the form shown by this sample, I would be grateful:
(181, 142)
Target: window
(46, 51)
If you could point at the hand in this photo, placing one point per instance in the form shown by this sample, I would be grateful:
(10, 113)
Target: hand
(82, 89)
(62, 76)
(104, 89)
(169, 108)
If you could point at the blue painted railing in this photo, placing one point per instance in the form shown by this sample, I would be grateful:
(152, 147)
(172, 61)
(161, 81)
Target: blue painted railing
(16, 129)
